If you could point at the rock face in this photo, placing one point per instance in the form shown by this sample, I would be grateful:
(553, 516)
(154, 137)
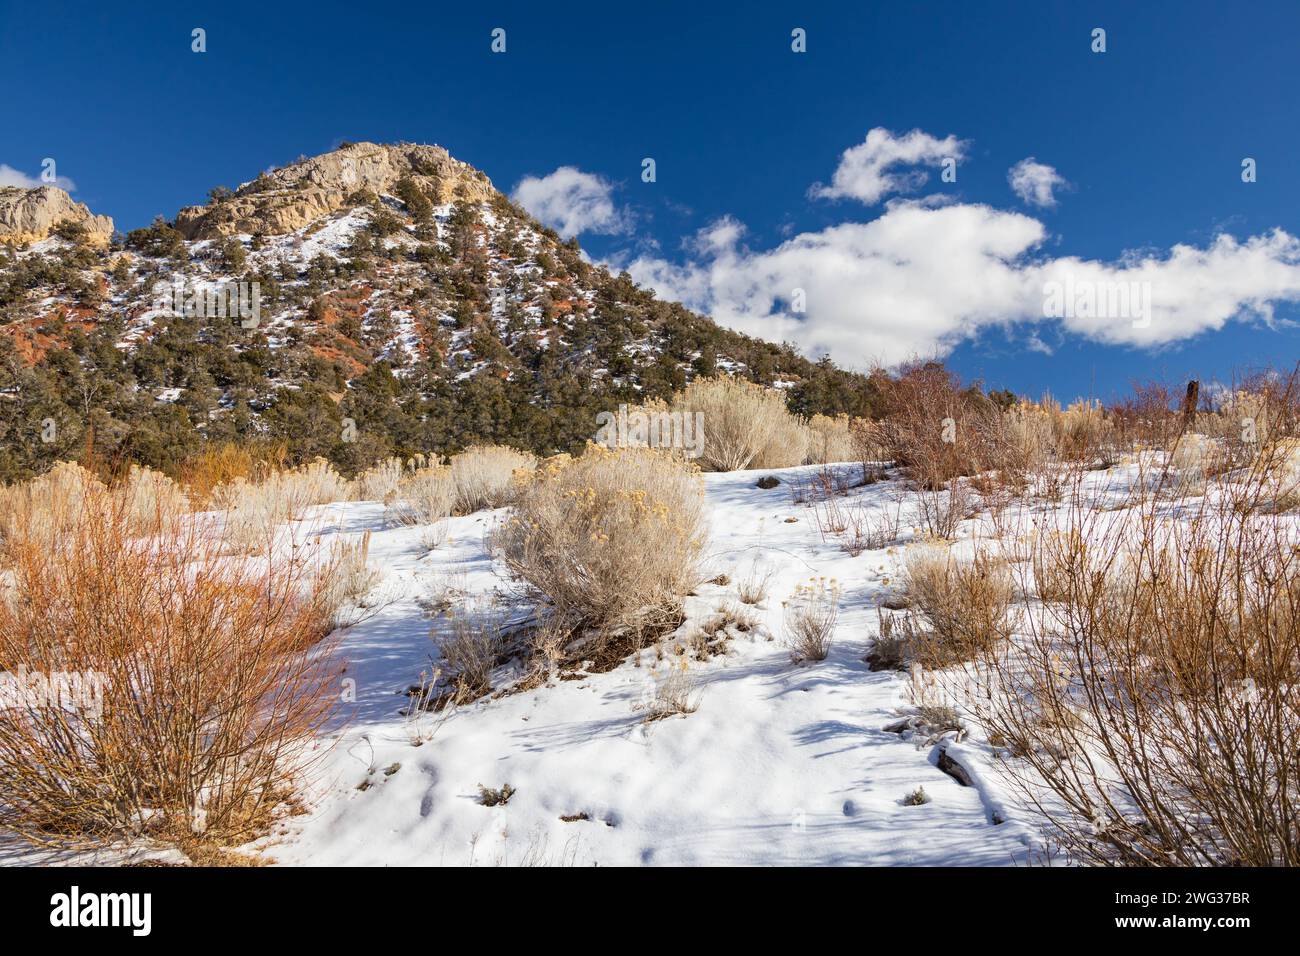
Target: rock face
(29, 215)
(286, 199)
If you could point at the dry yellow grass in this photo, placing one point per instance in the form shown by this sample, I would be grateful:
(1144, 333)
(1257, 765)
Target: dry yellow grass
(830, 439)
(964, 604)
(610, 540)
(424, 496)
(811, 613)
(745, 425)
(379, 481)
(484, 476)
(255, 510)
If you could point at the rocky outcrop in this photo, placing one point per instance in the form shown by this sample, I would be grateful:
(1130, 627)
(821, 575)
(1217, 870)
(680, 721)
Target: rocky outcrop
(286, 199)
(29, 215)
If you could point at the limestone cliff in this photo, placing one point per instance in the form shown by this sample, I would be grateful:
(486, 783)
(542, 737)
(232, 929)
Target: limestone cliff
(288, 198)
(29, 215)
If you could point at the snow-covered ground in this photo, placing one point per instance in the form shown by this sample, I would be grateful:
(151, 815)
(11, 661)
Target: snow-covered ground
(780, 763)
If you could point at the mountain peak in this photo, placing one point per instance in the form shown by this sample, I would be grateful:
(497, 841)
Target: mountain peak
(29, 215)
(282, 200)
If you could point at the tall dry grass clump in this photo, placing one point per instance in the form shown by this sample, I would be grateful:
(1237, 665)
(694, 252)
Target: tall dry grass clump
(964, 606)
(811, 613)
(484, 476)
(610, 540)
(830, 439)
(379, 481)
(344, 578)
(47, 507)
(1029, 435)
(153, 501)
(254, 510)
(745, 425)
(425, 495)
(1151, 711)
(1081, 432)
(315, 483)
(219, 464)
(187, 690)
(472, 643)
(50, 505)
(1196, 458)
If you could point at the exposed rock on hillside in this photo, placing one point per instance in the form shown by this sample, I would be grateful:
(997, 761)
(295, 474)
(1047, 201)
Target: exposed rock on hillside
(29, 215)
(393, 287)
(285, 199)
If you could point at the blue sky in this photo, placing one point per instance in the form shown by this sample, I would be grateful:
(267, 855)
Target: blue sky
(1148, 137)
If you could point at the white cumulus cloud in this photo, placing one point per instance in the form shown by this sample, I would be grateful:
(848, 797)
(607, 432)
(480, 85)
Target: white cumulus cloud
(16, 177)
(571, 202)
(876, 167)
(1034, 182)
(914, 281)
(919, 279)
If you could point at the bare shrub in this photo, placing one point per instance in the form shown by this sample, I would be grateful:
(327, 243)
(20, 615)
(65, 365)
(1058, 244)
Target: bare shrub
(1147, 420)
(610, 540)
(832, 514)
(344, 580)
(472, 645)
(857, 525)
(878, 529)
(674, 693)
(811, 613)
(964, 604)
(869, 444)
(819, 485)
(830, 439)
(1152, 714)
(207, 697)
(941, 510)
(755, 584)
(745, 425)
(936, 429)
(484, 476)
(1052, 554)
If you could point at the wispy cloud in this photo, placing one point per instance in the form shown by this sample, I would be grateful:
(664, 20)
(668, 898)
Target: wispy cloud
(877, 166)
(1035, 183)
(16, 177)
